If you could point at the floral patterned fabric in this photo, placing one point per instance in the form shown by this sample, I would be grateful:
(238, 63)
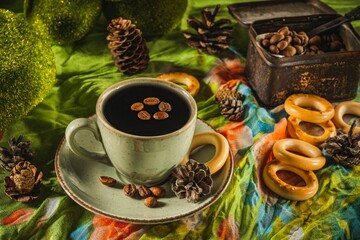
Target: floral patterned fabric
(247, 209)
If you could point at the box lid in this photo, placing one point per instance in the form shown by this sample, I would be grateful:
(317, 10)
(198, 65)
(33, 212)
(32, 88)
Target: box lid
(249, 12)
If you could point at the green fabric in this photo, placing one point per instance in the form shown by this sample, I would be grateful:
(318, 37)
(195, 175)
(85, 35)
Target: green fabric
(247, 210)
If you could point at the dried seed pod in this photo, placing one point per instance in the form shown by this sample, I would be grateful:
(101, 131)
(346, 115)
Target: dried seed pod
(138, 106)
(129, 189)
(144, 115)
(276, 38)
(289, 51)
(158, 191)
(151, 101)
(165, 107)
(150, 202)
(144, 191)
(108, 181)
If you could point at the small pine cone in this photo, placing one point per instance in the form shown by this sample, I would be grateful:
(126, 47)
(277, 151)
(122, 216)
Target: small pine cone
(127, 46)
(24, 182)
(191, 181)
(19, 150)
(230, 103)
(211, 36)
(344, 148)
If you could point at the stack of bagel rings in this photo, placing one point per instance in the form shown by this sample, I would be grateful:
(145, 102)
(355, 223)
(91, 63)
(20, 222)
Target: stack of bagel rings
(300, 158)
(321, 112)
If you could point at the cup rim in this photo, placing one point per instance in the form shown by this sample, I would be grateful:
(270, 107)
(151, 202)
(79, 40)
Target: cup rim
(107, 92)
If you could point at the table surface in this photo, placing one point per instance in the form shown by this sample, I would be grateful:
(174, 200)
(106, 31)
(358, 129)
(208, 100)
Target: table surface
(247, 209)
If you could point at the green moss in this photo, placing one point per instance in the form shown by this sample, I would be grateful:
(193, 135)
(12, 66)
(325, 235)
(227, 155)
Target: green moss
(27, 68)
(64, 21)
(152, 17)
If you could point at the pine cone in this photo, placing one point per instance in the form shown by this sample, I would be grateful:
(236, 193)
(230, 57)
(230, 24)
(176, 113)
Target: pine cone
(24, 182)
(19, 151)
(127, 46)
(191, 181)
(211, 37)
(344, 148)
(230, 103)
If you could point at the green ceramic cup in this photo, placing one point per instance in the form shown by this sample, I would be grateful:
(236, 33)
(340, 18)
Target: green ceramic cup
(137, 158)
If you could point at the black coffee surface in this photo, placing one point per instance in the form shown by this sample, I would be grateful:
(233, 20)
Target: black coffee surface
(118, 113)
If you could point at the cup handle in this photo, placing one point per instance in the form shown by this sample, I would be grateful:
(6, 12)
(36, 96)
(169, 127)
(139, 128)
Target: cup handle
(89, 125)
(221, 152)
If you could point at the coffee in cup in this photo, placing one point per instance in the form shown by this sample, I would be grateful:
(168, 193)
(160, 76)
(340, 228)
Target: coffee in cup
(141, 151)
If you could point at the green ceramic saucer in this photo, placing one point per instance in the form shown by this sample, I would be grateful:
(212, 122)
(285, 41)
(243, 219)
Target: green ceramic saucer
(80, 180)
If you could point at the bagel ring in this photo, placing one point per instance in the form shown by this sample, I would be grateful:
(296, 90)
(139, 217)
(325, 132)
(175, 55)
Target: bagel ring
(308, 158)
(296, 104)
(348, 107)
(296, 132)
(285, 190)
(192, 84)
(221, 153)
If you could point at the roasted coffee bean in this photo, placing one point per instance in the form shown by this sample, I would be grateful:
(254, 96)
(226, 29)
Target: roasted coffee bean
(284, 31)
(274, 49)
(289, 51)
(150, 202)
(160, 115)
(276, 38)
(335, 45)
(130, 190)
(144, 191)
(282, 45)
(151, 101)
(288, 39)
(108, 181)
(158, 191)
(265, 43)
(315, 40)
(165, 107)
(314, 48)
(138, 106)
(278, 42)
(144, 115)
(299, 49)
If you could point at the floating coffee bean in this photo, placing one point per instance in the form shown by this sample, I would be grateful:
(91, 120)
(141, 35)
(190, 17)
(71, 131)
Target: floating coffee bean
(108, 181)
(165, 107)
(160, 115)
(151, 101)
(144, 115)
(138, 106)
